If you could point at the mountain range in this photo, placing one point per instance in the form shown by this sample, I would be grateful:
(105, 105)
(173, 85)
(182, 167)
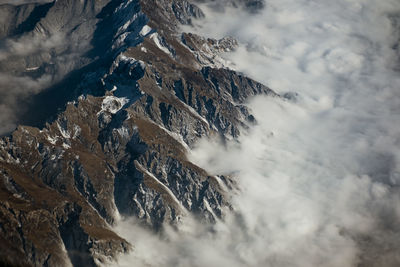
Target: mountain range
(102, 101)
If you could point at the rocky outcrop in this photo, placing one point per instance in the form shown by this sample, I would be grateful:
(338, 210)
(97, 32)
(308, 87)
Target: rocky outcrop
(121, 147)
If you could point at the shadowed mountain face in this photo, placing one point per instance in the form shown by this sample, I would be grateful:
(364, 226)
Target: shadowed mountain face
(46, 49)
(118, 96)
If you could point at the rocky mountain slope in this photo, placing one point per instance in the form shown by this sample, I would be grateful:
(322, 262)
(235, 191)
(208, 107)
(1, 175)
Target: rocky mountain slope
(137, 95)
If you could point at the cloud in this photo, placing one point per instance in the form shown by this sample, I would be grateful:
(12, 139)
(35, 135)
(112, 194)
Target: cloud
(29, 65)
(26, 70)
(319, 175)
(29, 44)
(14, 92)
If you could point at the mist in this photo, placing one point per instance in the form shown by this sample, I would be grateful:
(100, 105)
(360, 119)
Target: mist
(319, 174)
(33, 60)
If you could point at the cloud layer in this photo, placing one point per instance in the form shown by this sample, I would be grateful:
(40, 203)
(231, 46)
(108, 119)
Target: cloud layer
(320, 174)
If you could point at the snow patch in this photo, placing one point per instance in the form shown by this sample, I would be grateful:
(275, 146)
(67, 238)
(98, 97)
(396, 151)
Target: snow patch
(159, 43)
(122, 57)
(142, 64)
(131, 60)
(145, 30)
(77, 131)
(123, 132)
(176, 137)
(220, 183)
(194, 113)
(169, 192)
(209, 209)
(63, 132)
(66, 146)
(124, 27)
(52, 140)
(113, 104)
(32, 68)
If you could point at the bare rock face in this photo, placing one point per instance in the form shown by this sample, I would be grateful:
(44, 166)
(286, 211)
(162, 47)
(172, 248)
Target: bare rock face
(121, 146)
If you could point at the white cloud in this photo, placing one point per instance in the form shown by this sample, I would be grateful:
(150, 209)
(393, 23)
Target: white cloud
(28, 45)
(29, 67)
(319, 174)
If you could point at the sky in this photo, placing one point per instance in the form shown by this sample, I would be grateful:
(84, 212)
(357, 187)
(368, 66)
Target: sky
(319, 174)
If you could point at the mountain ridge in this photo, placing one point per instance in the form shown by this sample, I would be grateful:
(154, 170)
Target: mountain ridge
(120, 147)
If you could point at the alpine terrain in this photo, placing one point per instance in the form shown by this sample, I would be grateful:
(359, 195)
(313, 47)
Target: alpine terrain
(145, 133)
(114, 96)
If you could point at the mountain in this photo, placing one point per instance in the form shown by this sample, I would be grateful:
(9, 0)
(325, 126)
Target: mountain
(118, 98)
